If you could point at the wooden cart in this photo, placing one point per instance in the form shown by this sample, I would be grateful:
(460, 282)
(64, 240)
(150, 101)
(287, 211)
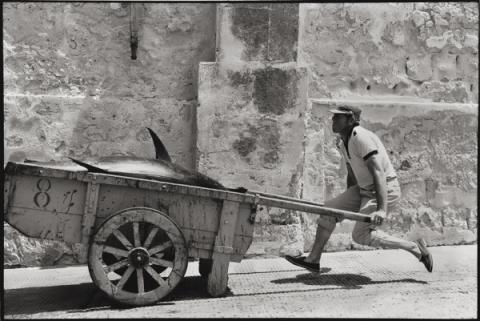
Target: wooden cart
(140, 233)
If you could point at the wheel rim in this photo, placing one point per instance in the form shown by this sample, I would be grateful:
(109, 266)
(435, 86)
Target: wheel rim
(137, 256)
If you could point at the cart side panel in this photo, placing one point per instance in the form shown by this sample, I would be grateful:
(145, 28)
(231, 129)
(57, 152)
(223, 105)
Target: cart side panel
(46, 207)
(197, 217)
(189, 212)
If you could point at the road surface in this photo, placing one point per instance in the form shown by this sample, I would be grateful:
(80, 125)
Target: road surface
(355, 284)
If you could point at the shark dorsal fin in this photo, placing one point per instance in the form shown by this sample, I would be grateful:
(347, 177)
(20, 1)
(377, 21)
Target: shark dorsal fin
(89, 167)
(160, 150)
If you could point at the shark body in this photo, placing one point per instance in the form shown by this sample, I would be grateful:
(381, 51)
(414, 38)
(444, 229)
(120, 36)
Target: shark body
(161, 168)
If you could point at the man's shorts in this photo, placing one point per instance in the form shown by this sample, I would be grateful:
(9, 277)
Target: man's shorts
(359, 200)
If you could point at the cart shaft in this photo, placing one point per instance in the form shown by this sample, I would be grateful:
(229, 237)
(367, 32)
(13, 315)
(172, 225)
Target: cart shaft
(282, 197)
(281, 202)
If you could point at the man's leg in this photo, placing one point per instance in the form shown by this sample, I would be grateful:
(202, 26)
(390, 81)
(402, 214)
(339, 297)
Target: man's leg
(348, 201)
(324, 231)
(368, 234)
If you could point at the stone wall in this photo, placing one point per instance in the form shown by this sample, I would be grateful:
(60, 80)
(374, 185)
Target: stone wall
(433, 148)
(413, 69)
(427, 50)
(72, 89)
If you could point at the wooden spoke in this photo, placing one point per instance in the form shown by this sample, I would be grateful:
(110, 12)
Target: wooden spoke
(177, 274)
(159, 248)
(117, 265)
(141, 286)
(115, 251)
(125, 277)
(119, 235)
(136, 235)
(157, 277)
(150, 237)
(161, 262)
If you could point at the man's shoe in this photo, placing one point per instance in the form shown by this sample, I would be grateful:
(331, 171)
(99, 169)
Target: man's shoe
(426, 257)
(300, 261)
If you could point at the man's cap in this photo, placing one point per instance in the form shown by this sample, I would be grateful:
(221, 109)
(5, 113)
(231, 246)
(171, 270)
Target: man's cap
(348, 110)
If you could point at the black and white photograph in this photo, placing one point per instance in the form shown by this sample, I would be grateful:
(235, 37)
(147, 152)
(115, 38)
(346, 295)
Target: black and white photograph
(198, 159)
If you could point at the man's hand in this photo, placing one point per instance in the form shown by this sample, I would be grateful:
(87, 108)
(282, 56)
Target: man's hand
(378, 217)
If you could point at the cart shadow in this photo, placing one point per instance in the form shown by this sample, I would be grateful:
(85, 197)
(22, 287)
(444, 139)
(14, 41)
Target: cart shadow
(84, 297)
(50, 298)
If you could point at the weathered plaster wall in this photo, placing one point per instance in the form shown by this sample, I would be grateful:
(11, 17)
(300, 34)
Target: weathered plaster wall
(250, 133)
(433, 148)
(72, 89)
(426, 50)
(257, 33)
(250, 117)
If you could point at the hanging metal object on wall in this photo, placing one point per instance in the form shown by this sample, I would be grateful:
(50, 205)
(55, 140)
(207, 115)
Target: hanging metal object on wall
(133, 31)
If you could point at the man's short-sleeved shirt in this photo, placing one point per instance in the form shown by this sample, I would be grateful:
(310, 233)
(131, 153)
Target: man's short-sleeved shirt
(362, 144)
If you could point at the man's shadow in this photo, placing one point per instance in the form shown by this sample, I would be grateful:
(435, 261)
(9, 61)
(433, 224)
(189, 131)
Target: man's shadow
(345, 281)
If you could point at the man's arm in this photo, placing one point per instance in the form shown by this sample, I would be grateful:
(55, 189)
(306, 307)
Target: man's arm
(351, 180)
(380, 182)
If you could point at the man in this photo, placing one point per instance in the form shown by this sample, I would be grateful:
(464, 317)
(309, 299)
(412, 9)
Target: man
(372, 188)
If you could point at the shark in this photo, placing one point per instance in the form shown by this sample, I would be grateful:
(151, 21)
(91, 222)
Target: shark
(162, 168)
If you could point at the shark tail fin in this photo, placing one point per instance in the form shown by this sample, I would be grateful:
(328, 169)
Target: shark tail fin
(160, 150)
(89, 167)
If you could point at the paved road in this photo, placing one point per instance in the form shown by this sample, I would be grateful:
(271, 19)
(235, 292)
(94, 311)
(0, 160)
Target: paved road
(357, 284)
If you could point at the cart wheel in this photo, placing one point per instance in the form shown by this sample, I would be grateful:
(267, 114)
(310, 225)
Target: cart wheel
(205, 267)
(137, 256)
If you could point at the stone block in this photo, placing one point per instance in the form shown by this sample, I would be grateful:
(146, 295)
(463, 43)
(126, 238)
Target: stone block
(471, 41)
(250, 125)
(465, 65)
(21, 251)
(420, 17)
(447, 92)
(250, 134)
(283, 33)
(257, 32)
(444, 66)
(419, 68)
(415, 191)
(276, 240)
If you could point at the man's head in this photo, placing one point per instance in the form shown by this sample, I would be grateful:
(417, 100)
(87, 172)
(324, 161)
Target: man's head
(345, 117)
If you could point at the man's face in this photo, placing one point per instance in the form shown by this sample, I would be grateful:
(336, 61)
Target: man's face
(340, 122)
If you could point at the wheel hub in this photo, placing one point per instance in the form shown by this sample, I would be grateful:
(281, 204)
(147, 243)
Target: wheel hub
(138, 257)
